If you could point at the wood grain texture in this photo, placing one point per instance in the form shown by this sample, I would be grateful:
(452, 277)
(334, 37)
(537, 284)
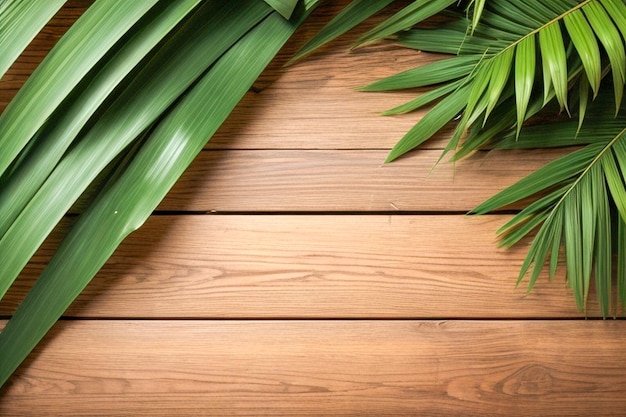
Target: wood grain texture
(324, 368)
(351, 180)
(283, 266)
(308, 297)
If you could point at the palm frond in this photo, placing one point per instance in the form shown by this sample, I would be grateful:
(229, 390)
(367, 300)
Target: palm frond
(135, 119)
(352, 15)
(92, 36)
(580, 191)
(564, 35)
(128, 201)
(20, 22)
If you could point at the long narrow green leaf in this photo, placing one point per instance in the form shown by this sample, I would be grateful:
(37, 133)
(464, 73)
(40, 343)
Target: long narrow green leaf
(501, 68)
(613, 44)
(551, 174)
(416, 12)
(524, 77)
(71, 117)
(585, 42)
(441, 71)
(425, 98)
(352, 15)
(479, 5)
(129, 201)
(88, 40)
(284, 7)
(615, 182)
(215, 27)
(573, 246)
(617, 10)
(431, 123)
(532, 209)
(603, 252)
(554, 62)
(621, 260)
(20, 22)
(589, 213)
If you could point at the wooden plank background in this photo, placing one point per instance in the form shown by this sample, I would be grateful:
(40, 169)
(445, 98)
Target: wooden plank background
(291, 272)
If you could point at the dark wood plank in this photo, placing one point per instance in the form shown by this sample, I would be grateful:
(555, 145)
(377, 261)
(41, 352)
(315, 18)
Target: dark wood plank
(324, 368)
(314, 267)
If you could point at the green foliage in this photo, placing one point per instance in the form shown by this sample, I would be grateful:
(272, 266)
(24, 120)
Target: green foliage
(151, 82)
(511, 61)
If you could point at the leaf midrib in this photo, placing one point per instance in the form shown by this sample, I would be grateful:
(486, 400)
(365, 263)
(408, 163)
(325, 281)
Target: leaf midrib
(586, 170)
(540, 28)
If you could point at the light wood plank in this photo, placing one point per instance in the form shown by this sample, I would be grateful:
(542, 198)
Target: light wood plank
(325, 368)
(285, 180)
(314, 266)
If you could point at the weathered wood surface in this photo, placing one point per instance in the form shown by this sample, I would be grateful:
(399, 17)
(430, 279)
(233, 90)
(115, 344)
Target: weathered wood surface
(322, 368)
(291, 272)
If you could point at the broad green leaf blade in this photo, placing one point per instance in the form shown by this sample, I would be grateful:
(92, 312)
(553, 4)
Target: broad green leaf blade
(441, 71)
(440, 115)
(352, 15)
(65, 124)
(414, 13)
(524, 77)
(20, 22)
(554, 62)
(284, 7)
(129, 201)
(546, 177)
(85, 43)
(584, 40)
(214, 28)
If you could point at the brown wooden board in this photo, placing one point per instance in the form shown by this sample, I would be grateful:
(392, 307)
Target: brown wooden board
(282, 266)
(351, 180)
(324, 368)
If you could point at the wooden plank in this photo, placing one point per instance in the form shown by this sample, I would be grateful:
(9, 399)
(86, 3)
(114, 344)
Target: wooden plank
(314, 267)
(315, 105)
(324, 368)
(272, 180)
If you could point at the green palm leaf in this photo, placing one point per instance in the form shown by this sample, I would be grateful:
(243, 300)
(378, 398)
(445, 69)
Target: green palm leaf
(129, 200)
(20, 21)
(581, 187)
(93, 35)
(353, 14)
(65, 124)
(153, 90)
